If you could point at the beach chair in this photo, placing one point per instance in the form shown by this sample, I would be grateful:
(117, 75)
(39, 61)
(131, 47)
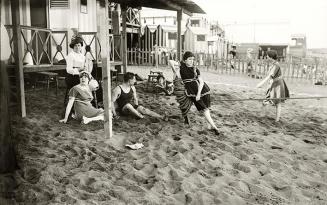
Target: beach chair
(152, 78)
(47, 79)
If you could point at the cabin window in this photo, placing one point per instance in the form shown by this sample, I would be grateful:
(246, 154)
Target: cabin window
(84, 6)
(195, 23)
(172, 36)
(59, 4)
(200, 37)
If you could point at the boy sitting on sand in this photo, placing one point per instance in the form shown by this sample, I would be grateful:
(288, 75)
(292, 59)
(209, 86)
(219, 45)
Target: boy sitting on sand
(122, 100)
(164, 86)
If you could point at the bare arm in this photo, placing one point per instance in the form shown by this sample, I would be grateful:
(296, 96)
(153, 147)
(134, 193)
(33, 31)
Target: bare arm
(115, 95)
(263, 81)
(200, 86)
(136, 101)
(268, 77)
(171, 64)
(68, 109)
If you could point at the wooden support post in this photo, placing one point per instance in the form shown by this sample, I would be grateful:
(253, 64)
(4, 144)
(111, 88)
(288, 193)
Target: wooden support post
(179, 34)
(105, 57)
(7, 155)
(124, 37)
(15, 12)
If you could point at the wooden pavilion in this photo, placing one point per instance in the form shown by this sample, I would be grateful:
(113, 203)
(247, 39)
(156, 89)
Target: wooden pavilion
(43, 61)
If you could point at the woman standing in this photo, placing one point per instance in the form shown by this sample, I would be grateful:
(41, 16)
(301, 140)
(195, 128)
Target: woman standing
(184, 102)
(196, 89)
(76, 62)
(277, 91)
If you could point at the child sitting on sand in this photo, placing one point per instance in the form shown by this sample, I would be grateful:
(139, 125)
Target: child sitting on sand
(277, 91)
(164, 86)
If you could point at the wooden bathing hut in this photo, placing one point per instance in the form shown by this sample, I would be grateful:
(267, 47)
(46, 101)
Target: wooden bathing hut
(28, 37)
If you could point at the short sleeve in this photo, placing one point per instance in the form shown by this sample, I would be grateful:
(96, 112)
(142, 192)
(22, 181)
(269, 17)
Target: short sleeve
(73, 92)
(274, 71)
(197, 71)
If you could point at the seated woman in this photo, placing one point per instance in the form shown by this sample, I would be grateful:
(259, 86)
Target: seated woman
(80, 96)
(164, 86)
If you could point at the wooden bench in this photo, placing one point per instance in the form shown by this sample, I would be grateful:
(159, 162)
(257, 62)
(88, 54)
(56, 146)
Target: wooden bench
(49, 77)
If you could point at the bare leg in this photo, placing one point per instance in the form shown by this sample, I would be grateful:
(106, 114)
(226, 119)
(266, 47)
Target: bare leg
(146, 111)
(130, 108)
(207, 115)
(278, 111)
(87, 120)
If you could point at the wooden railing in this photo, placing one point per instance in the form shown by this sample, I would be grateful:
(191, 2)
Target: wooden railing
(59, 45)
(44, 47)
(314, 69)
(40, 46)
(92, 45)
(115, 42)
(136, 56)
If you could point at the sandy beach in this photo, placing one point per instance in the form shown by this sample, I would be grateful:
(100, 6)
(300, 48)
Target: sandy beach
(255, 161)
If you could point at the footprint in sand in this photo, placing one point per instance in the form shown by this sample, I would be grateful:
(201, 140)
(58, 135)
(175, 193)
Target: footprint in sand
(308, 141)
(242, 168)
(32, 175)
(241, 155)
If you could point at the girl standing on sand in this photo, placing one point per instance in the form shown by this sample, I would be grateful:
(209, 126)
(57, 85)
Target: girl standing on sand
(196, 89)
(277, 91)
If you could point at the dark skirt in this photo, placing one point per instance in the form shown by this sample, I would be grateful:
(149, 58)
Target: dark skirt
(191, 89)
(278, 90)
(185, 103)
(72, 80)
(203, 103)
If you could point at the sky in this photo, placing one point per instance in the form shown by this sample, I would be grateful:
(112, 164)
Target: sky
(273, 21)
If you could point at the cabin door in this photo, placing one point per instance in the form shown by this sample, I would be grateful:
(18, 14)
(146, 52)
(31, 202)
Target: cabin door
(39, 18)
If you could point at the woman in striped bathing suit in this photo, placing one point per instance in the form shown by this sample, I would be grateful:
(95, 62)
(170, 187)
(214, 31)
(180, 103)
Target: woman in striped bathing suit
(179, 91)
(277, 91)
(196, 91)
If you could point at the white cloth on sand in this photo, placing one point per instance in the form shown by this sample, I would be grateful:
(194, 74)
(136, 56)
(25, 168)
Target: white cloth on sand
(135, 146)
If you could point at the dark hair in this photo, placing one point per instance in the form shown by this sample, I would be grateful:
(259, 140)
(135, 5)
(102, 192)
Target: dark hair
(272, 54)
(187, 54)
(76, 40)
(84, 73)
(160, 76)
(128, 76)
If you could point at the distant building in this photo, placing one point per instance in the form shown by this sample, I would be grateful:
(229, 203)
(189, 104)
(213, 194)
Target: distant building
(202, 36)
(198, 34)
(298, 45)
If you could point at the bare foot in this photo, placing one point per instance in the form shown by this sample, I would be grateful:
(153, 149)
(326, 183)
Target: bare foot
(85, 120)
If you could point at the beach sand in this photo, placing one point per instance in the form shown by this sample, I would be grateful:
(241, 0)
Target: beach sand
(255, 161)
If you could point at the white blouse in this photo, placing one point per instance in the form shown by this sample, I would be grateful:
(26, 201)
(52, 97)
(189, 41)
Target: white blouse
(75, 63)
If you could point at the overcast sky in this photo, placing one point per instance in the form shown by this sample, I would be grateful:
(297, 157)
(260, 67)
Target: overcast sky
(282, 18)
(300, 16)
